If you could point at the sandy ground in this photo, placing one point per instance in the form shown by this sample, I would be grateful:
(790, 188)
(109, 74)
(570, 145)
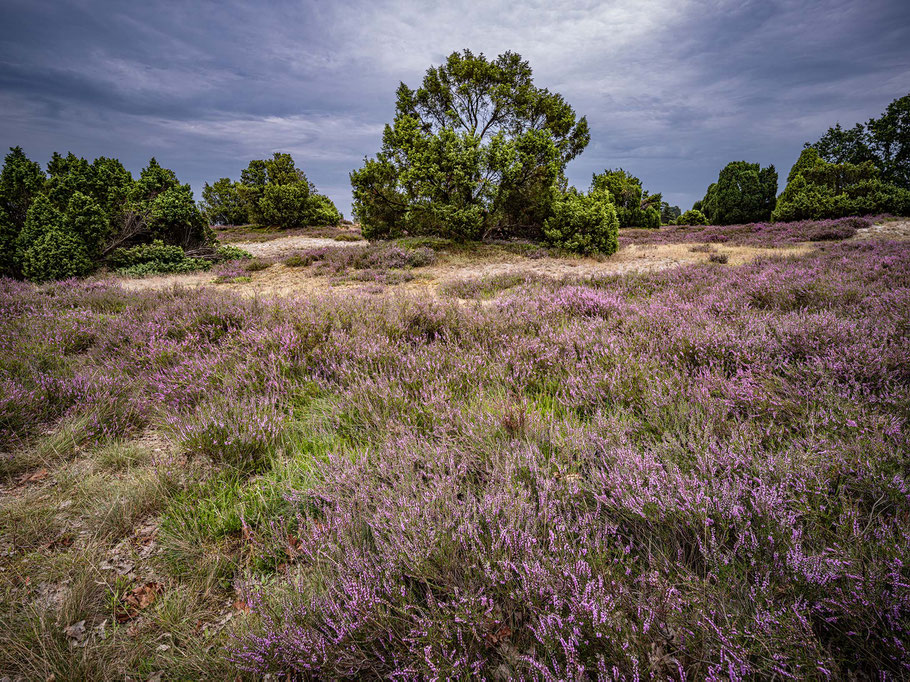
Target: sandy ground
(282, 280)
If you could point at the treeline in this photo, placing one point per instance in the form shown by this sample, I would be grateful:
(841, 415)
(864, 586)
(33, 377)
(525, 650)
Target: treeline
(79, 216)
(76, 216)
(477, 151)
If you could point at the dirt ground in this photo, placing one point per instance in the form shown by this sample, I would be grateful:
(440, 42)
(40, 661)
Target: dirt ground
(282, 280)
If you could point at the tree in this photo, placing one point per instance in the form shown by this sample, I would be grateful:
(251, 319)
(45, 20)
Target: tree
(56, 254)
(583, 223)
(890, 141)
(817, 189)
(275, 192)
(21, 180)
(160, 207)
(41, 218)
(669, 214)
(634, 206)
(692, 217)
(744, 193)
(222, 204)
(86, 219)
(885, 142)
(477, 148)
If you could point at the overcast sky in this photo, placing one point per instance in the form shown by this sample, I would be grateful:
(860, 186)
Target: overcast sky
(673, 89)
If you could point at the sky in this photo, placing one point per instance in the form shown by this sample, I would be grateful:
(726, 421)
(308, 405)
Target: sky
(672, 89)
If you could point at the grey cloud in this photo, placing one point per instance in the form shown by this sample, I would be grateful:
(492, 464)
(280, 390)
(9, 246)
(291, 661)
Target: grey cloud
(673, 89)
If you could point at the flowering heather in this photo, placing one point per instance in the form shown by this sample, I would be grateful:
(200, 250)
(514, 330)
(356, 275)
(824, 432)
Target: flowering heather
(696, 473)
(753, 234)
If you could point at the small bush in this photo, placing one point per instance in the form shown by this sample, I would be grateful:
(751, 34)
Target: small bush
(692, 217)
(583, 224)
(56, 255)
(718, 258)
(256, 265)
(227, 252)
(154, 258)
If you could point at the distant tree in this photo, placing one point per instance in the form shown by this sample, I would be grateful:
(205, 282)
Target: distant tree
(85, 218)
(669, 214)
(56, 254)
(222, 204)
(744, 193)
(476, 149)
(634, 206)
(692, 217)
(884, 141)
(818, 189)
(275, 192)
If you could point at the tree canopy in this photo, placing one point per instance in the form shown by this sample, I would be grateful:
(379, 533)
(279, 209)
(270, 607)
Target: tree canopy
(635, 207)
(883, 141)
(818, 189)
(744, 193)
(476, 149)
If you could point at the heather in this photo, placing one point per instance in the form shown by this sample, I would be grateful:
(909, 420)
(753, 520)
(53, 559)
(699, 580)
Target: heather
(766, 234)
(694, 473)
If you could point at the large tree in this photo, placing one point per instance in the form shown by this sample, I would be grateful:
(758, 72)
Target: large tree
(477, 148)
(744, 193)
(884, 141)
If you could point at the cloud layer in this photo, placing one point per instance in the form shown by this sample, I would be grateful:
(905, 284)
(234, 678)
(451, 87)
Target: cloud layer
(673, 89)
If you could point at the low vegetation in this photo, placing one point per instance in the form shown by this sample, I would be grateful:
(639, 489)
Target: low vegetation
(694, 472)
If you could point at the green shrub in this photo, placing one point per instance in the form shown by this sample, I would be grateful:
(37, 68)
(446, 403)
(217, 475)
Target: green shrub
(227, 252)
(154, 258)
(40, 219)
(583, 224)
(56, 254)
(321, 211)
(692, 217)
(85, 218)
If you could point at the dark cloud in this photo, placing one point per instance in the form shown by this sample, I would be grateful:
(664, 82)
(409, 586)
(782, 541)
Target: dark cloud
(673, 89)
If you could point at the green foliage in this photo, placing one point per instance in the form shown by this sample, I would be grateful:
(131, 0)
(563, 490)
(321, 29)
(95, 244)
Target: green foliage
(222, 203)
(634, 206)
(818, 189)
(285, 205)
(40, 219)
(275, 192)
(744, 193)
(229, 252)
(583, 223)
(154, 258)
(56, 254)
(477, 148)
(692, 217)
(20, 182)
(86, 219)
(321, 211)
(885, 142)
(669, 214)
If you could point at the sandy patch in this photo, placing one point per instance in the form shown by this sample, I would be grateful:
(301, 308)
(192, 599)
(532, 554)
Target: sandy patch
(281, 280)
(894, 229)
(285, 246)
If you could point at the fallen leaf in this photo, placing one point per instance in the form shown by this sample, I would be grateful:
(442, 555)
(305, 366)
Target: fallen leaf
(75, 631)
(138, 599)
(34, 477)
(241, 605)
